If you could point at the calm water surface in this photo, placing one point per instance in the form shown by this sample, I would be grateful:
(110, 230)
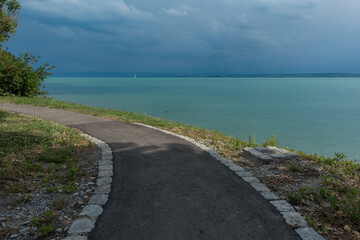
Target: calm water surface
(319, 115)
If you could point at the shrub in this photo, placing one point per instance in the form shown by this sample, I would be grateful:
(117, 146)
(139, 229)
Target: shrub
(19, 76)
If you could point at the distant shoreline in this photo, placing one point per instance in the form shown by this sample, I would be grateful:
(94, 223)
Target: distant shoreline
(160, 75)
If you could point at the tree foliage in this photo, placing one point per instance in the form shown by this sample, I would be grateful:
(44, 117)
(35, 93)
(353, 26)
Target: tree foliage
(9, 10)
(19, 75)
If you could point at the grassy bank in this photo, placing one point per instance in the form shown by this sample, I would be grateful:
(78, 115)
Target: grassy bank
(38, 156)
(336, 201)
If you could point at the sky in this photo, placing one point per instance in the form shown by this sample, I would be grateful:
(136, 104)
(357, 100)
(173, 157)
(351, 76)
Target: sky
(192, 37)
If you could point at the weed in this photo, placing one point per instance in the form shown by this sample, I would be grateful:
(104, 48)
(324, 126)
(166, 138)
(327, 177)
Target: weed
(73, 173)
(293, 198)
(36, 221)
(46, 230)
(295, 168)
(313, 222)
(27, 198)
(69, 188)
(252, 141)
(50, 189)
(58, 204)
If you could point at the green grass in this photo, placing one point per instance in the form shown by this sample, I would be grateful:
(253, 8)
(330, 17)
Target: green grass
(35, 149)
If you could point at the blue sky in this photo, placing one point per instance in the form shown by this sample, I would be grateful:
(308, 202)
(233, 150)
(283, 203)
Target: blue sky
(192, 37)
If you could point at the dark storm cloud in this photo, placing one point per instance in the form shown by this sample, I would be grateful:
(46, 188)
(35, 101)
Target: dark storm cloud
(230, 36)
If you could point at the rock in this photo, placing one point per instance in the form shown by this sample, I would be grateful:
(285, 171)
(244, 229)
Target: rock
(309, 234)
(76, 238)
(13, 236)
(24, 223)
(83, 225)
(282, 206)
(98, 199)
(269, 195)
(106, 189)
(103, 181)
(2, 219)
(105, 173)
(25, 230)
(268, 154)
(93, 211)
(294, 219)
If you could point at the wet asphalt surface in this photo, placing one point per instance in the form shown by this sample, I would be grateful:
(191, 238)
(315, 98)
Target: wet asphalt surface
(166, 188)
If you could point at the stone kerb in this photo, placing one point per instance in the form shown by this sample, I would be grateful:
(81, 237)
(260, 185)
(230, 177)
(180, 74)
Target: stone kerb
(87, 218)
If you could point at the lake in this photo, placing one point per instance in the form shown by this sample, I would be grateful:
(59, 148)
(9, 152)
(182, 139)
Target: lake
(319, 115)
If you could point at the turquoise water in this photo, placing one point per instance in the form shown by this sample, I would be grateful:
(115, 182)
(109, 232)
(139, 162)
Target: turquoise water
(319, 115)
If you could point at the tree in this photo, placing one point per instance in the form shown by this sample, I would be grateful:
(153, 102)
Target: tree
(9, 11)
(19, 76)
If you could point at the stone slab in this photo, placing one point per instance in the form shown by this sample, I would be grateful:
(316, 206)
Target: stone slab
(236, 168)
(103, 145)
(106, 173)
(106, 158)
(243, 174)
(105, 162)
(106, 149)
(93, 211)
(270, 196)
(106, 153)
(75, 238)
(294, 219)
(98, 199)
(105, 167)
(260, 187)
(269, 154)
(105, 189)
(103, 181)
(309, 234)
(282, 206)
(83, 225)
(251, 179)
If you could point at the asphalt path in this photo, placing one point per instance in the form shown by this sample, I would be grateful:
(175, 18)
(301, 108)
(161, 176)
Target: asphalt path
(165, 188)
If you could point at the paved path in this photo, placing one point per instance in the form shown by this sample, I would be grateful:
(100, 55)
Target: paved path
(165, 188)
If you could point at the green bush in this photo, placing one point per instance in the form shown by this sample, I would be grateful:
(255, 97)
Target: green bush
(19, 76)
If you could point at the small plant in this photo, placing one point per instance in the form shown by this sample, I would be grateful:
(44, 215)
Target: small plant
(293, 198)
(46, 230)
(58, 204)
(27, 198)
(70, 188)
(252, 141)
(36, 221)
(50, 189)
(295, 168)
(73, 173)
(313, 222)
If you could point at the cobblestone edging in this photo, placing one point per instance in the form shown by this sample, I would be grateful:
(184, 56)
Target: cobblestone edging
(87, 218)
(294, 219)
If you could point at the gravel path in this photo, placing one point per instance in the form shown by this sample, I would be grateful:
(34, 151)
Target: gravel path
(167, 188)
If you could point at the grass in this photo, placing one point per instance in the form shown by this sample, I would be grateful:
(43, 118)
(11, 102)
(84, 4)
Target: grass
(337, 200)
(34, 149)
(34, 154)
